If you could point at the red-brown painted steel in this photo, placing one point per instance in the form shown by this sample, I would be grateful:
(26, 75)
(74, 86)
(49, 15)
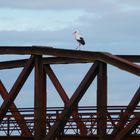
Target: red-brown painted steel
(16, 88)
(85, 55)
(86, 113)
(16, 138)
(125, 132)
(122, 131)
(40, 100)
(73, 102)
(69, 137)
(12, 64)
(125, 116)
(65, 99)
(18, 117)
(101, 120)
(60, 60)
(132, 58)
(102, 100)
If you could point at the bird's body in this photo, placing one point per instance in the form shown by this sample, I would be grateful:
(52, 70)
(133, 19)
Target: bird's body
(79, 38)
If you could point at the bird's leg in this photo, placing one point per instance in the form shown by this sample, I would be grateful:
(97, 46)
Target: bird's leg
(79, 46)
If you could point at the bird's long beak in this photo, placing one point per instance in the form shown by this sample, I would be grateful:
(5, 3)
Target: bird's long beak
(73, 32)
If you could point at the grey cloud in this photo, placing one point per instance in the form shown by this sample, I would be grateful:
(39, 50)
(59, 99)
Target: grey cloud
(35, 37)
(115, 26)
(95, 5)
(35, 4)
(130, 2)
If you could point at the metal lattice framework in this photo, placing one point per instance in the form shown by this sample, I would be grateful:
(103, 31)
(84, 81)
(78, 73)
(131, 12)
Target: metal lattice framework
(69, 122)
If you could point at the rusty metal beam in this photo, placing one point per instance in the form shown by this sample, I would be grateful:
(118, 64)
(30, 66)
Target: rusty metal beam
(40, 50)
(86, 55)
(69, 137)
(65, 98)
(48, 60)
(108, 137)
(133, 58)
(124, 133)
(102, 101)
(67, 60)
(18, 117)
(105, 57)
(125, 116)
(64, 60)
(16, 87)
(59, 60)
(13, 64)
(40, 100)
(16, 138)
(72, 104)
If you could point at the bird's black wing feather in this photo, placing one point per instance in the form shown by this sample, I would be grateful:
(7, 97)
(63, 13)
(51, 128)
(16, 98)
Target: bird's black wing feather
(81, 40)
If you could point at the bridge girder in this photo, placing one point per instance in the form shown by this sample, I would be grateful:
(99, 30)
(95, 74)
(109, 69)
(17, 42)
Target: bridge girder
(42, 66)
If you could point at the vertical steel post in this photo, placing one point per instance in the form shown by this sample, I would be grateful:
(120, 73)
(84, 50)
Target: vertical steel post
(8, 126)
(102, 101)
(40, 100)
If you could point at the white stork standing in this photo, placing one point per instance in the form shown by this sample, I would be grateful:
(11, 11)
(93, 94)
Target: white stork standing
(79, 38)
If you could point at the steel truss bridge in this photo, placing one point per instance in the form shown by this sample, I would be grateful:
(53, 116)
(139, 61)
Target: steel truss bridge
(71, 122)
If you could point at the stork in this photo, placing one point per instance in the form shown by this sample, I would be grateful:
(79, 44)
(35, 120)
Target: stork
(79, 39)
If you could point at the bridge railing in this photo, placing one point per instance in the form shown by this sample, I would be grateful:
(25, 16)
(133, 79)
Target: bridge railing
(88, 115)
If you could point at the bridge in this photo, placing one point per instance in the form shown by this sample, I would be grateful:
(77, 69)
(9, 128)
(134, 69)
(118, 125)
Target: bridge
(71, 121)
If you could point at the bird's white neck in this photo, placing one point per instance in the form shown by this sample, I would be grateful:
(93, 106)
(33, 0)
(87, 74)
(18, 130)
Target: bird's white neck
(77, 35)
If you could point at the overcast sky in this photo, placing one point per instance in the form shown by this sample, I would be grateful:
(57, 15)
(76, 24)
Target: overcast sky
(107, 25)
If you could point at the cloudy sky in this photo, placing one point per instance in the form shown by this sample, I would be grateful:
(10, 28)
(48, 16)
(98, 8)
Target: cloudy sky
(107, 25)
